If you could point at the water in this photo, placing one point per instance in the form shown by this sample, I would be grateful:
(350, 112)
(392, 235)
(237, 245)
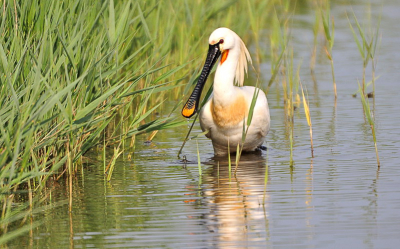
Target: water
(339, 199)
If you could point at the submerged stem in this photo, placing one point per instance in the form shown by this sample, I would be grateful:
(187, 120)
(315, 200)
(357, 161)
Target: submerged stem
(312, 145)
(376, 146)
(333, 78)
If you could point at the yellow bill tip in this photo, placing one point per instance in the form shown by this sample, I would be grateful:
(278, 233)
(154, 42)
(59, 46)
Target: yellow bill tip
(188, 112)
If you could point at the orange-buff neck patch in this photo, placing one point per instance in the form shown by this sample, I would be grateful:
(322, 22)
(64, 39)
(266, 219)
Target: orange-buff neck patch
(224, 56)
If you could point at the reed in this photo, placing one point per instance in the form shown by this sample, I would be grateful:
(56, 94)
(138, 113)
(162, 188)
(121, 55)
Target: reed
(367, 48)
(257, 19)
(278, 44)
(198, 159)
(246, 126)
(287, 86)
(265, 179)
(316, 31)
(308, 117)
(76, 76)
(370, 120)
(329, 31)
(84, 75)
(110, 168)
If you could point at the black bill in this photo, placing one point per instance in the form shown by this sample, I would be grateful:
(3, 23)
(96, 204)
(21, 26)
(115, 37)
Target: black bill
(191, 106)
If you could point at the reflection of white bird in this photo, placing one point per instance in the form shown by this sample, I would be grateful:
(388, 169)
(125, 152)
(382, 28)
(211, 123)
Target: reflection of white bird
(227, 110)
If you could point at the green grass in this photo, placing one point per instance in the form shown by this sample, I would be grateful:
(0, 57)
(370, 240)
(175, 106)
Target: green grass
(329, 31)
(198, 159)
(370, 120)
(367, 46)
(265, 180)
(306, 107)
(290, 87)
(82, 75)
(77, 75)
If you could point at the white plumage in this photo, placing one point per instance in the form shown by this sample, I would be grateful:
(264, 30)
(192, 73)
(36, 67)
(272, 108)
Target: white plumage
(227, 109)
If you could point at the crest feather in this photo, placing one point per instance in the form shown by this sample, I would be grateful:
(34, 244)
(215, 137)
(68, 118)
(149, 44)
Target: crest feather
(241, 67)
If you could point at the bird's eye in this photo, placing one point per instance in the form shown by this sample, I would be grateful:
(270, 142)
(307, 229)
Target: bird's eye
(221, 41)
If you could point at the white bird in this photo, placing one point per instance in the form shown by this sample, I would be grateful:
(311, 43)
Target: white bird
(227, 109)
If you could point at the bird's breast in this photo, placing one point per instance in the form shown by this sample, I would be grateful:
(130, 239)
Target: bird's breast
(231, 114)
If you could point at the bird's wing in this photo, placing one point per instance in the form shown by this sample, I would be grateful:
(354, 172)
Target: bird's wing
(205, 116)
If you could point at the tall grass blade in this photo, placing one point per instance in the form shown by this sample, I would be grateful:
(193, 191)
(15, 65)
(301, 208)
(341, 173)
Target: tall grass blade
(367, 112)
(111, 22)
(198, 159)
(265, 179)
(308, 117)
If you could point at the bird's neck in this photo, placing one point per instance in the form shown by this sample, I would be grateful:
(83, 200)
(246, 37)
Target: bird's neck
(224, 89)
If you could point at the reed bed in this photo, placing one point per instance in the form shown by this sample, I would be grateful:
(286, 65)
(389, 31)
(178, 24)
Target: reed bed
(367, 44)
(81, 75)
(88, 75)
(68, 71)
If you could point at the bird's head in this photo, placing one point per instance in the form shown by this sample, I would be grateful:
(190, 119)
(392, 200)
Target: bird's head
(227, 43)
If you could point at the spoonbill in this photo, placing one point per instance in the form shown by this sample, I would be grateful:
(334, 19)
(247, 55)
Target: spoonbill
(226, 111)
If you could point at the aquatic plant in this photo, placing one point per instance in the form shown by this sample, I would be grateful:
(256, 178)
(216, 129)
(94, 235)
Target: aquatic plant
(316, 31)
(83, 75)
(290, 85)
(329, 31)
(308, 117)
(198, 159)
(265, 179)
(367, 49)
(76, 76)
(278, 44)
(370, 120)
